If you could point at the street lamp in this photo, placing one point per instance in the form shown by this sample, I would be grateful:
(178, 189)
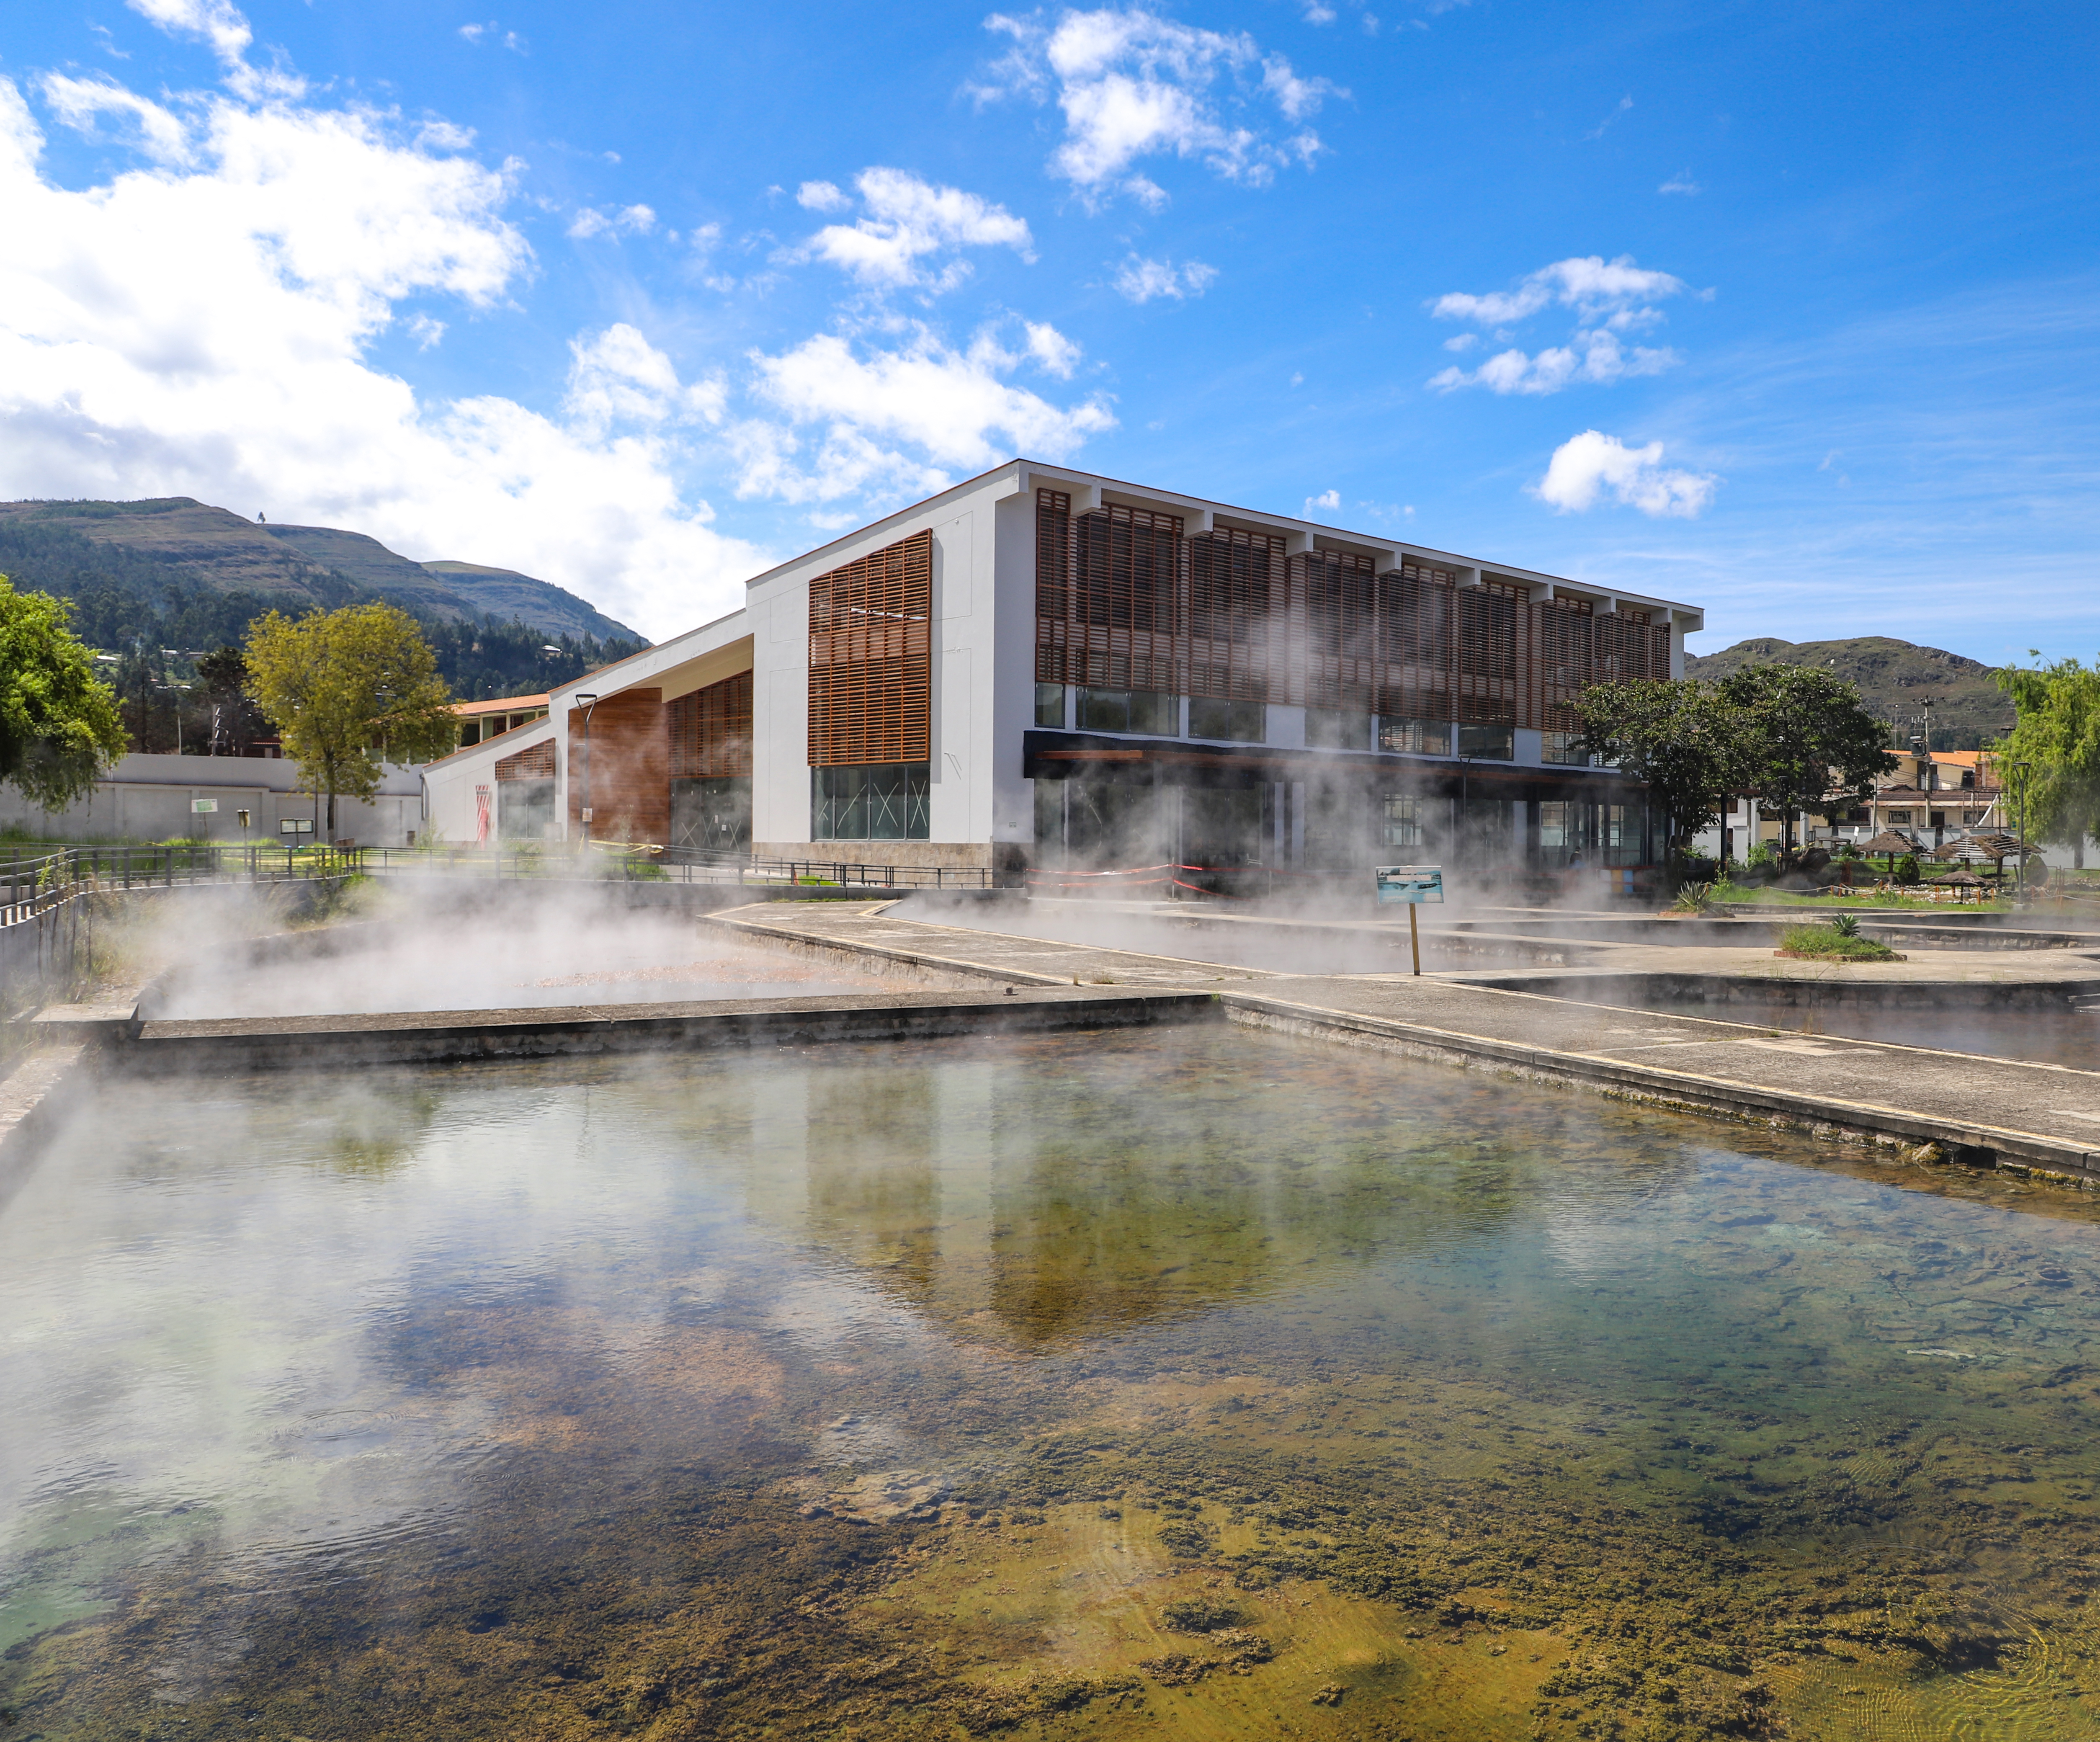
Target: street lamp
(587, 701)
(182, 689)
(2019, 768)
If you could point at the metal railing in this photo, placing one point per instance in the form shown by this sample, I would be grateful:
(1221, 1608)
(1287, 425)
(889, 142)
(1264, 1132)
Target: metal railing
(33, 883)
(650, 865)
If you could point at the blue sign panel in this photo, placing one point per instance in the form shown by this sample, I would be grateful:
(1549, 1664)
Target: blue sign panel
(1410, 883)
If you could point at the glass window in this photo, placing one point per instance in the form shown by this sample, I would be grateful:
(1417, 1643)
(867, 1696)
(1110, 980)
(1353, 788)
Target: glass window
(874, 801)
(1050, 704)
(1900, 817)
(1560, 748)
(1420, 737)
(1149, 711)
(1491, 743)
(1336, 728)
(1403, 821)
(1242, 722)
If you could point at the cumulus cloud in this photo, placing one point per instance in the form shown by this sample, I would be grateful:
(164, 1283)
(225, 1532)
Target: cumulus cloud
(1328, 501)
(1587, 467)
(222, 26)
(1596, 357)
(145, 126)
(633, 220)
(1142, 279)
(907, 220)
(1611, 298)
(848, 414)
(1615, 291)
(201, 327)
(1131, 84)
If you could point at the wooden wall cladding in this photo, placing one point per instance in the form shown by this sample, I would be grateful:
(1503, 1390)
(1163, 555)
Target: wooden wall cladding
(710, 730)
(534, 762)
(1124, 601)
(630, 768)
(871, 659)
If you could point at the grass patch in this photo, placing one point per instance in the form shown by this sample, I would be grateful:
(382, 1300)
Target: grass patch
(1833, 943)
(1736, 894)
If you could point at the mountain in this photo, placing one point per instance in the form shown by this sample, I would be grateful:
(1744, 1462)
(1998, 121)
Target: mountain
(1894, 679)
(176, 542)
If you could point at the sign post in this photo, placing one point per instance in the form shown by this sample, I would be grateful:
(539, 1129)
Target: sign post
(1413, 885)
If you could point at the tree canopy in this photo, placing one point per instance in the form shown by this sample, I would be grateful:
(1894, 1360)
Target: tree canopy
(346, 688)
(2057, 736)
(1793, 738)
(1675, 735)
(60, 726)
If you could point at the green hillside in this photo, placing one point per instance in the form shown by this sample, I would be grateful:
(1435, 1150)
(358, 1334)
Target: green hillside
(1895, 678)
(173, 573)
(295, 567)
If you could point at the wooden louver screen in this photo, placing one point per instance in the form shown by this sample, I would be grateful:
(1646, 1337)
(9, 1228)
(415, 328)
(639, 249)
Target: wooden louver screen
(870, 658)
(534, 762)
(710, 730)
(1123, 601)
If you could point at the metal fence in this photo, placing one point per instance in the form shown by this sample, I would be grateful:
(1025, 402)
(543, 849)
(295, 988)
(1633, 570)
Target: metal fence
(597, 864)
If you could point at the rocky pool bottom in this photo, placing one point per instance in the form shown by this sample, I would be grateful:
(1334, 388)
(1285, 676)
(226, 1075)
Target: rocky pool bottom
(1182, 1383)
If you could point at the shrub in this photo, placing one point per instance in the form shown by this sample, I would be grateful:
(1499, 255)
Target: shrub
(1829, 943)
(1907, 871)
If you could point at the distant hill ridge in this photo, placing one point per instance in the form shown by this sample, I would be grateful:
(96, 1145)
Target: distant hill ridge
(1895, 678)
(178, 542)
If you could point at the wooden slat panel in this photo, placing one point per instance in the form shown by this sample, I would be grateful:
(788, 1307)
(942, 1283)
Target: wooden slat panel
(534, 762)
(870, 658)
(630, 768)
(710, 730)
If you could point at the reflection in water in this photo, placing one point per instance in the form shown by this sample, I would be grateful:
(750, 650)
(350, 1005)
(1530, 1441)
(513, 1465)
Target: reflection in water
(1067, 1385)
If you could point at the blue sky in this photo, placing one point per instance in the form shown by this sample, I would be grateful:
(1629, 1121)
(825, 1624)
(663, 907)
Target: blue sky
(1787, 309)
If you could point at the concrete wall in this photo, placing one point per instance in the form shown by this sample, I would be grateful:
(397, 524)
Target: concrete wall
(150, 798)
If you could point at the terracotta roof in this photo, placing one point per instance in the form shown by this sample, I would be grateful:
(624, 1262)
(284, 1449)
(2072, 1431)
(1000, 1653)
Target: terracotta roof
(500, 704)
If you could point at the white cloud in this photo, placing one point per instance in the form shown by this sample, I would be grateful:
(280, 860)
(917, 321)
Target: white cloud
(1142, 279)
(1615, 290)
(1328, 501)
(222, 25)
(1597, 132)
(203, 330)
(1611, 298)
(154, 131)
(1586, 466)
(426, 330)
(924, 394)
(907, 219)
(1681, 183)
(821, 197)
(1596, 357)
(1131, 84)
(1049, 347)
(1317, 14)
(633, 220)
(475, 32)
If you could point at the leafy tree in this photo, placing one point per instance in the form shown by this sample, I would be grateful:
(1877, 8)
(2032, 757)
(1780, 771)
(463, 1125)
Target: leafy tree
(60, 727)
(1675, 735)
(2058, 736)
(1807, 739)
(345, 688)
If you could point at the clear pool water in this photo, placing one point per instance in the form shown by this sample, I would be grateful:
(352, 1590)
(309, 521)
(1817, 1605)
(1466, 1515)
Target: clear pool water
(1190, 1383)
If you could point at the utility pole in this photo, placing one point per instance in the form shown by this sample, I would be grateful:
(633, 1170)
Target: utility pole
(588, 701)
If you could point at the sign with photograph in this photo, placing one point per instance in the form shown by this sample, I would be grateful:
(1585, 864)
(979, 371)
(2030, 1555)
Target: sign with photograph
(1413, 884)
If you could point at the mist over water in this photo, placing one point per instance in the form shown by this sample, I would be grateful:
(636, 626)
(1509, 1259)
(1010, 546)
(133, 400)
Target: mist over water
(549, 954)
(1069, 1383)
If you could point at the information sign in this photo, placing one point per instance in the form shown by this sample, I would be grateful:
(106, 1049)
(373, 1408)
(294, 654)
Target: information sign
(203, 807)
(296, 826)
(1410, 883)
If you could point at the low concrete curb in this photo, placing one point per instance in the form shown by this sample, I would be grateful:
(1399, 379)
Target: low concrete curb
(36, 1095)
(1843, 1121)
(456, 1036)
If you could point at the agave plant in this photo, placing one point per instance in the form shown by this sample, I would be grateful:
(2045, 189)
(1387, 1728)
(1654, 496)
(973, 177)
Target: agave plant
(1693, 898)
(1845, 925)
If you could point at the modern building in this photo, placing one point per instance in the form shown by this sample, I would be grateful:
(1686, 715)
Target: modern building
(1044, 668)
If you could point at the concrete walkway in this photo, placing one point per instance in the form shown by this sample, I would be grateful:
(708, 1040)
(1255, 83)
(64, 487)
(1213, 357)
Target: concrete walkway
(1940, 1105)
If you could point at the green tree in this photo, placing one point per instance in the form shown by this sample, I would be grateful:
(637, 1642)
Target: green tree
(345, 688)
(2057, 735)
(1807, 741)
(1677, 736)
(60, 726)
